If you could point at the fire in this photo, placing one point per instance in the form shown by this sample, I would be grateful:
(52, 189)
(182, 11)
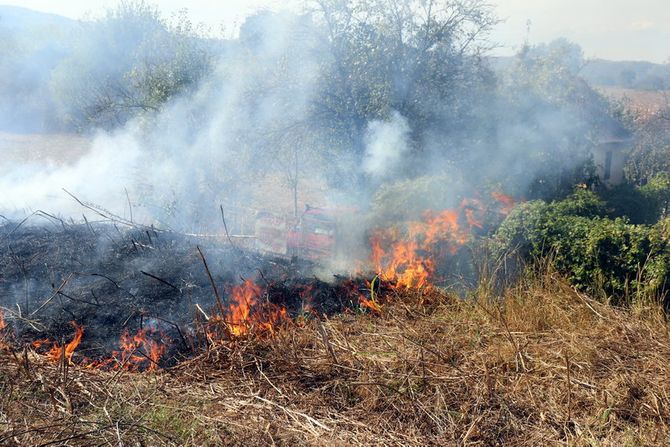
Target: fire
(137, 352)
(474, 212)
(3, 325)
(246, 313)
(404, 266)
(370, 303)
(56, 353)
(243, 298)
(445, 227)
(506, 202)
(409, 260)
(403, 256)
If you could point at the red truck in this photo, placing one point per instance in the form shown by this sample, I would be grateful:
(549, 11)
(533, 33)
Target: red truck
(313, 235)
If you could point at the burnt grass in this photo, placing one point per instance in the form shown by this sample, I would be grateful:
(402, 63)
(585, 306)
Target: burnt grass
(541, 364)
(108, 279)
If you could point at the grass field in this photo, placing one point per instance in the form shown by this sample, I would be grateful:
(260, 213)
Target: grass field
(541, 365)
(45, 148)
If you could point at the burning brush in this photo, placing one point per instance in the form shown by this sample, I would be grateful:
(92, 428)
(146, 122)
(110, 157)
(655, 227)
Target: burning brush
(402, 257)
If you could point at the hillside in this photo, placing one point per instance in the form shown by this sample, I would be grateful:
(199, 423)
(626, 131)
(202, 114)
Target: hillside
(18, 19)
(637, 75)
(34, 44)
(630, 75)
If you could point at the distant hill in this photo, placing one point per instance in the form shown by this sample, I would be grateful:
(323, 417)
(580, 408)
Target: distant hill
(631, 75)
(17, 18)
(33, 44)
(636, 75)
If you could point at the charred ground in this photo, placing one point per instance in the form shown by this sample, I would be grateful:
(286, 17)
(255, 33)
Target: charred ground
(543, 365)
(111, 279)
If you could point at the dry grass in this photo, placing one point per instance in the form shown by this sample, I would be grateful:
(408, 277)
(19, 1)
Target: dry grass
(645, 102)
(543, 365)
(42, 148)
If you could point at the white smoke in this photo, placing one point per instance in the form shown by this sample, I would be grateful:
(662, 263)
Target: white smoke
(208, 147)
(101, 174)
(386, 144)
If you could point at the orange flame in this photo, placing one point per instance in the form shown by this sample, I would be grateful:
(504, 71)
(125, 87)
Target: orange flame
(138, 352)
(57, 352)
(506, 202)
(243, 298)
(246, 313)
(3, 325)
(369, 303)
(409, 260)
(402, 264)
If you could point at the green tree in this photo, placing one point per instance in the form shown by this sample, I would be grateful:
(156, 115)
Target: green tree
(419, 58)
(128, 63)
(550, 121)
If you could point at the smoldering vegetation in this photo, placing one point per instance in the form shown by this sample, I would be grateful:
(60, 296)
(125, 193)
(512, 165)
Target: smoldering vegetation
(113, 280)
(345, 224)
(391, 109)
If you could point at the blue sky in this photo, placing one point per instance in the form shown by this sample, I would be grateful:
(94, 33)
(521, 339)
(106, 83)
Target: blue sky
(610, 29)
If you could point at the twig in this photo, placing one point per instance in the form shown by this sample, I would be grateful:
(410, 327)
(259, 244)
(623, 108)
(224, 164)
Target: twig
(181, 334)
(219, 303)
(197, 306)
(160, 280)
(567, 366)
(225, 227)
(326, 342)
(56, 292)
(293, 412)
(130, 206)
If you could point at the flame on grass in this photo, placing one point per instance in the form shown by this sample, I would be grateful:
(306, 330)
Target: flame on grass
(506, 202)
(408, 258)
(246, 313)
(140, 351)
(57, 352)
(3, 326)
(372, 302)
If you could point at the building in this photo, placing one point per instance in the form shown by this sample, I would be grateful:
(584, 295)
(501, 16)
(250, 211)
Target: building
(609, 155)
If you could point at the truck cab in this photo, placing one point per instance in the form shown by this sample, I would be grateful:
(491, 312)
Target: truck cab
(313, 236)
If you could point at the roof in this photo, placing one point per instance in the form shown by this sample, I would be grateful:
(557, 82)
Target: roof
(612, 131)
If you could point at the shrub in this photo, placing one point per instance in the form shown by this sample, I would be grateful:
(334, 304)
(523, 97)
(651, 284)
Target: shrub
(596, 253)
(642, 205)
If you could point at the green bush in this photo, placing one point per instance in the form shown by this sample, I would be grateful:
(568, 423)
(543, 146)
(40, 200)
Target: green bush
(641, 205)
(596, 253)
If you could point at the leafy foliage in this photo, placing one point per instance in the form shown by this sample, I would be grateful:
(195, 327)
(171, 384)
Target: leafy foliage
(598, 254)
(651, 152)
(128, 63)
(420, 59)
(549, 122)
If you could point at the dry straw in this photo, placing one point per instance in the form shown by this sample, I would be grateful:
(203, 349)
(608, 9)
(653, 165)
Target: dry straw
(541, 365)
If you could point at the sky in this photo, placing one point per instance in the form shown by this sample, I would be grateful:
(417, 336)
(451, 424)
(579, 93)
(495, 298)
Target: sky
(608, 29)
